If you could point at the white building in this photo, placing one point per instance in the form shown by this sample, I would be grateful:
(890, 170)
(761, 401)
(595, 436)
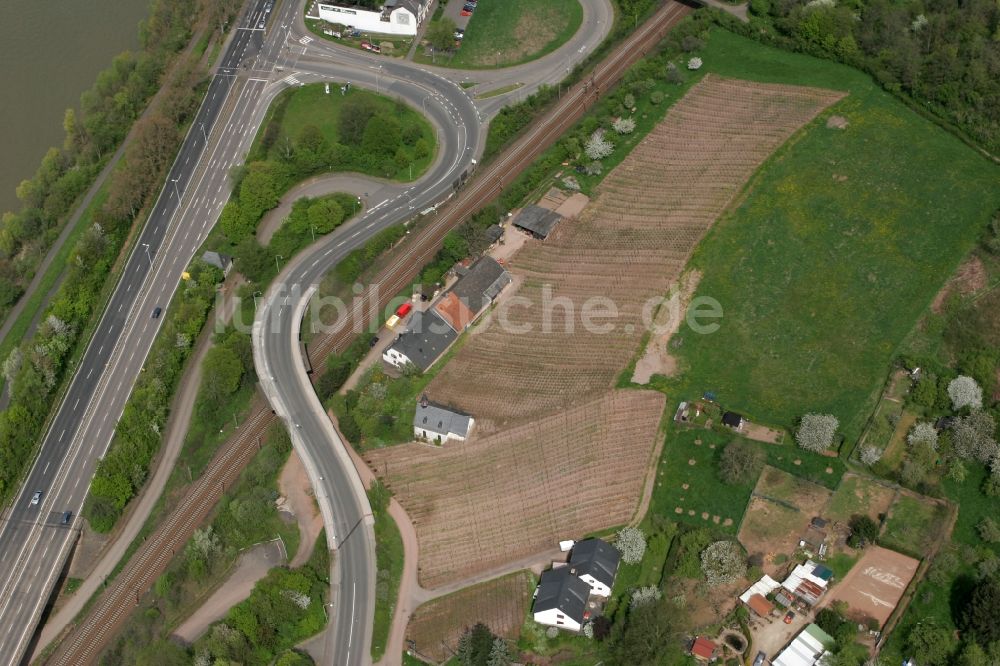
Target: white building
(437, 424)
(397, 17)
(561, 600)
(808, 648)
(595, 562)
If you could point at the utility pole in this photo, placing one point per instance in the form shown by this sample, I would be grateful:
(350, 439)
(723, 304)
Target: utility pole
(146, 245)
(177, 190)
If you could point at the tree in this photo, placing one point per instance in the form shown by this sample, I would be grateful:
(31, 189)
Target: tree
(598, 147)
(355, 112)
(441, 34)
(982, 612)
(723, 562)
(864, 531)
(631, 543)
(973, 655)
(932, 642)
(222, 372)
(475, 646)
(325, 215)
(740, 463)
(870, 454)
(623, 125)
(972, 437)
(989, 530)
(923, 433)
(648, 630)
(965, 392)
(644, 595)
(816, 431)
(499, 653)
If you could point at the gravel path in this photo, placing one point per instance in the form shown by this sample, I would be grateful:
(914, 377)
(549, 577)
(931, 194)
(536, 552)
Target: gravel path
(295, 488)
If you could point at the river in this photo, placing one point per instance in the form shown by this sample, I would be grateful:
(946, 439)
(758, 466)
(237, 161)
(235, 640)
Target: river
(50, 52)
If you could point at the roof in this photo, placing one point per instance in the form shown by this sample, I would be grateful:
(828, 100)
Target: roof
(484, 281)
(760, 605)
(441, 420)
(823, 572)
(217, 259)
(803, 573)
(493, 233)
(732, 419)
(807, 649)
(703, 648)
(818, 522)
(763, 587)
(813, 536)
(596, 558)
(539, 221)
(425, 339)
(561, 590)
(451, 308)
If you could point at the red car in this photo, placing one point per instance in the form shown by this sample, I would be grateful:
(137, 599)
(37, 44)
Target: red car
(466, 12)
(789, 616)
(366, 45)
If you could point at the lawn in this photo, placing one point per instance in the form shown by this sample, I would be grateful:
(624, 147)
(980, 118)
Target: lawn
(389, 566)
(508, 32)
(913, 525)
(838, 246)
(858, 495)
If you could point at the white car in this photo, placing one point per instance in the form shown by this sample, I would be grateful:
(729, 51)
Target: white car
(36, 498)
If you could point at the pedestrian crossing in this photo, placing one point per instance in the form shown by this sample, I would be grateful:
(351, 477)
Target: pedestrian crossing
(304, 40)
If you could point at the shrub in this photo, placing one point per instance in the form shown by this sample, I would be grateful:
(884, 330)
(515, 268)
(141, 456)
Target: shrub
(870, 454)
(923, 433)
(864, 530)
(598, 147)
(624, 125)
(740, 462)
(644, 595)
(723, 562)
(631, 543)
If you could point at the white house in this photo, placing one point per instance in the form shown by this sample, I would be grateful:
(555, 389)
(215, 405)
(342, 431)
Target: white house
(425, 339)
(595, 562)
(438, 424)
(561, 600)
(396, 17)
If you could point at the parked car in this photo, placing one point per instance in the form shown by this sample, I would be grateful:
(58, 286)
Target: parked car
(759, 659)
(355, 33)
(366, 45)
(373, 341)
(789, 616)
(459, 36)
(465, 12)
(376, 48)
(36, 498)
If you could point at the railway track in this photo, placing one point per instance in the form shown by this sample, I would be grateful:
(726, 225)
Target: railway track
(92, 635)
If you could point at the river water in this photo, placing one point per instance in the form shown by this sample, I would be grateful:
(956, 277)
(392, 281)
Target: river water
(50, 52)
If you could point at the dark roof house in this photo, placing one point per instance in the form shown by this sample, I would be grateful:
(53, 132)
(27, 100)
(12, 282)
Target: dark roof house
(426, 337)
(537, 221)
(597, 559)
(559, 589)
(219, 260)
(733, 420)
(483, 283)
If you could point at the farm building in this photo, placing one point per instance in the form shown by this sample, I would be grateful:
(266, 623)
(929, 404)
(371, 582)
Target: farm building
(561, 599)
(595, 562)
(704, 649)
(756, 596)
(396, 17)
(807, 582)
(481, 285)
(451, 308)
(493, 234)
(537, 221)
(813, 540)
(807, 649)
(426, 337)
(733, 420)
(435, 423)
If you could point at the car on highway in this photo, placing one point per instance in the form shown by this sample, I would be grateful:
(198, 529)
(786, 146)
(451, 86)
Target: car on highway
(67, 517)
(789, 616)
(157, 311)
(36, 498)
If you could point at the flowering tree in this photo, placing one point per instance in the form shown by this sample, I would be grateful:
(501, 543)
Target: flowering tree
(644, 595)
(723, 562)
(631, 543)
(870, 455)
(972, 437)
(598, 147)
(923, 433)
(816, 431)
(965, 392)
(623, 125)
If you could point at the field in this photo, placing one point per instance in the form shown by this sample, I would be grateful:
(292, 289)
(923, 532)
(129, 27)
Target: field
(858, 495)
(501, 604)
(509, 32)
(627, 247)
(914, 525)
(838, 246)
(875, 584)
(496, 498)
(779, 512)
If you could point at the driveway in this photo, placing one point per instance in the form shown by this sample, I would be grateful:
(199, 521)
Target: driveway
(771, 637)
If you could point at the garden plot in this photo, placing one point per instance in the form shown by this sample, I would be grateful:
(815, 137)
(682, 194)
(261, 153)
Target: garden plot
(859, 495)
(915, 524)
(629, 246)
(492, 499)
(501, 604)
(779, 512)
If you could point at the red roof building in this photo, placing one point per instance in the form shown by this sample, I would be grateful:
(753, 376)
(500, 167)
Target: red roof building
(704, 649)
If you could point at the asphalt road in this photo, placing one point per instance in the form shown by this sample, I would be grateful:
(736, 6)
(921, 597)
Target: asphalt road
(256, 66)
(33, 541)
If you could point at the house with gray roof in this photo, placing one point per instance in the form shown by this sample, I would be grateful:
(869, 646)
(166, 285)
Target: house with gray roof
(482, 283)
(596, 563)
(439, 424)
(424, 340)
(537, 221)
(221, 261)
(561, 599)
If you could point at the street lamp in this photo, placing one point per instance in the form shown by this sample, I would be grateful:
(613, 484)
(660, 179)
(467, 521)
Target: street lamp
(255, 295)
(177, 190)
(276, 257)
(312, 230)
(146, 245)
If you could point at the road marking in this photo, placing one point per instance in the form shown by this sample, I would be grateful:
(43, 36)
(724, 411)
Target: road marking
(46, 470)
(90, 373)
(305, 40)
(100, 350)
(76, 404)
(61, 434)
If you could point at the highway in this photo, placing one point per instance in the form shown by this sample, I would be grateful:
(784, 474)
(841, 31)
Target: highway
(256, 66)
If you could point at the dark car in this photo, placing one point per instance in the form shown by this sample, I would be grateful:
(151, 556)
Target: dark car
(157, 311)
(373, 341)
(67, 517)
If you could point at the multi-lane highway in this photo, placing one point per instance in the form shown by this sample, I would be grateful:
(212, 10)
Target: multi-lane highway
(257, 64)
(34, 541)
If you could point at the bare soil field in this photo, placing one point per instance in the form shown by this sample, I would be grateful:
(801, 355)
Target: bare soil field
(496, 498)
(779, 512)
(501, 604)
(627, 247)
(875, 585)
